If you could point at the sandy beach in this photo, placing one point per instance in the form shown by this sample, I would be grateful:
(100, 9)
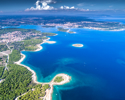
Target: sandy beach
(50, 91)
(77, 45)
(44, 41)
(34, 77)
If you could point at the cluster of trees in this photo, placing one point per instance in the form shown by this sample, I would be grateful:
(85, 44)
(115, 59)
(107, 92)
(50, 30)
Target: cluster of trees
(3, 47)
(62, 29)
(24, 31)
(3, 60)
(35, 94)
(28, 45)
(48, 34)
(6, 30)
(30, 48)
(58, 79)
(17, 81)
(1, 71)
(14, 56)
(32, 42)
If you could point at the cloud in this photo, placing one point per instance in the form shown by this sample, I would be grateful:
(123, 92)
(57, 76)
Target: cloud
(85, 4)
(85, 10)
(44, 6)
(80, 4)
(67, 7)
(1, 11)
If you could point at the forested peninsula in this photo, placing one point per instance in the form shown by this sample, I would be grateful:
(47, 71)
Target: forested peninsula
(16, 79)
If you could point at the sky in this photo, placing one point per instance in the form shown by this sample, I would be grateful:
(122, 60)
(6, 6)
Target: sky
(80, 5)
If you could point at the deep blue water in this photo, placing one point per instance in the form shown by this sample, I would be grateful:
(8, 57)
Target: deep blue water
(97, 69)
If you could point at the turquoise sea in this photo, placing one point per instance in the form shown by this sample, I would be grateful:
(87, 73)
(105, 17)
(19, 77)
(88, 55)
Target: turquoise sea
(97, 69)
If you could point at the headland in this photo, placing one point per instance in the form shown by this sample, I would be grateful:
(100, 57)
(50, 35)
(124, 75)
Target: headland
(64, 77)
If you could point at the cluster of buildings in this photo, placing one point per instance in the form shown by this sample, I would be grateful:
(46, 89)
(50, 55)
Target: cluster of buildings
(66, 25)
(75, 25)
(15, 36)
(113, 26)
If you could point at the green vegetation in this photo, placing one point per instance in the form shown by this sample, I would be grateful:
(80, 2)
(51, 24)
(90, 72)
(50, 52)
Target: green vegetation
(36, 93)
(58, 79)
(3, 60)
(32, 42)
(6, 30)
(48, 34)
(29, 45)
(18, 78)
(62, 29)
(1, 71)
(3, 47)
(30, 48)
(47, 26)
(14, 56)
(44, 37)
(24, 31)
(17, 81)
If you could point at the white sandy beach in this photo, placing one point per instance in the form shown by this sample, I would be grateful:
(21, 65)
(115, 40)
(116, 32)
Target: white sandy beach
(50, 91)
(34, 77)
(77, 45)
(44, 41)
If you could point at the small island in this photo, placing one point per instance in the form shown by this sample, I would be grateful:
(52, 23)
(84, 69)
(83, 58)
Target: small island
(78, 45)
(61, 29)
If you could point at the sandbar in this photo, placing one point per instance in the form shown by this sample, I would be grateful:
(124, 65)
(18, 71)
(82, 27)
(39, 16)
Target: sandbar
(78, 45)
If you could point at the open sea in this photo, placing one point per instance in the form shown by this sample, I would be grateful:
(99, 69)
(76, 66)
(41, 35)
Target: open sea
(97, 69)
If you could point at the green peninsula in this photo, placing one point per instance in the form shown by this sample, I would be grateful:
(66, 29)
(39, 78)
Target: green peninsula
(16, 79)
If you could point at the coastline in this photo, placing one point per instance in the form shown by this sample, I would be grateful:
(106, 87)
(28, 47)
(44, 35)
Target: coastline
(34, 77)
(44, 41)
(49, 92)
(101, 29)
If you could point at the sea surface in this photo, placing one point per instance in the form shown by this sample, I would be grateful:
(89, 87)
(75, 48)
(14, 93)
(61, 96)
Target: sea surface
(97, 69)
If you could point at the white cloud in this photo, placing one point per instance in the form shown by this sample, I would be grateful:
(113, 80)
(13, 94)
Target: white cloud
(80, 4)
(67, 7)
(72, 7)
(61, 7)
(44, 6)
(85, 10)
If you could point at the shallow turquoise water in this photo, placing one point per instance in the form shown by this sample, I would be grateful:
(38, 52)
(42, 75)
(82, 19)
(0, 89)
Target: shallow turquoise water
(97, 69)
